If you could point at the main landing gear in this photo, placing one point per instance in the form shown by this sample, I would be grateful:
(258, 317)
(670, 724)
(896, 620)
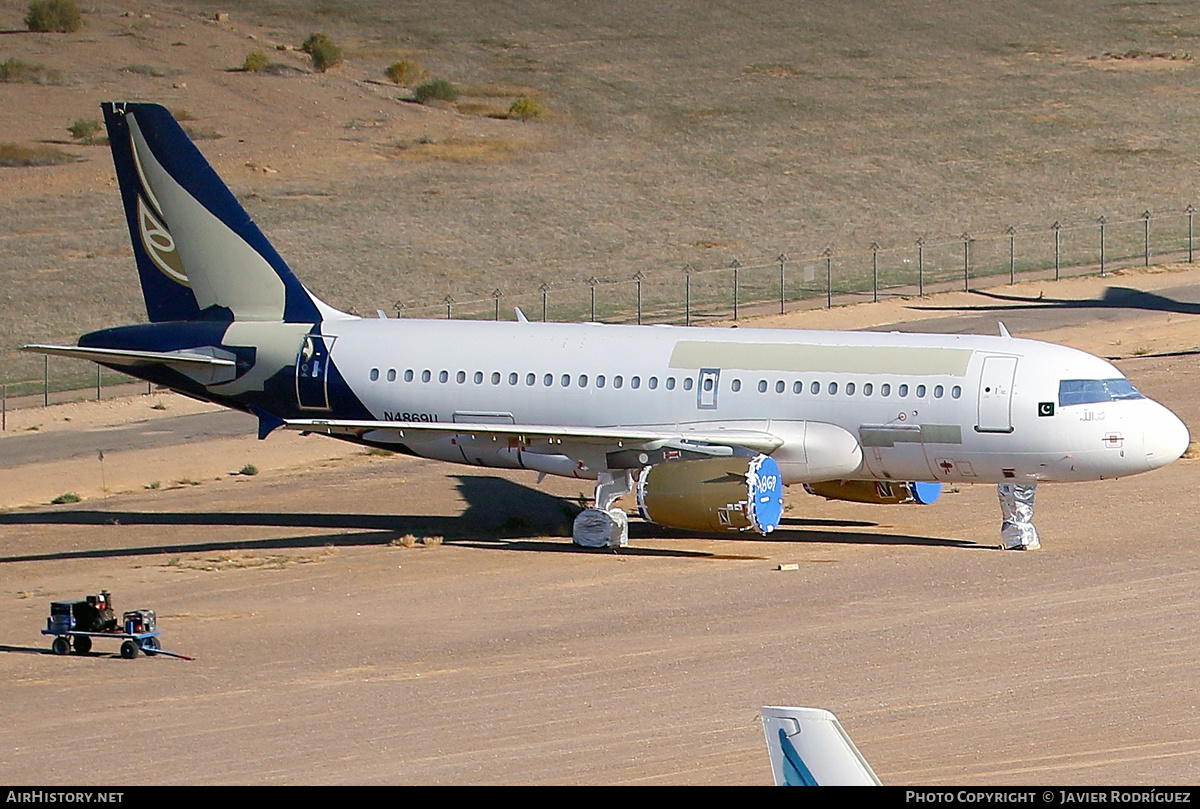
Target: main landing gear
(605, 526)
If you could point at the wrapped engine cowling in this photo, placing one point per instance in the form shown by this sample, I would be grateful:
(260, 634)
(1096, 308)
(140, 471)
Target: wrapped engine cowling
(892, 492)
(713, 494)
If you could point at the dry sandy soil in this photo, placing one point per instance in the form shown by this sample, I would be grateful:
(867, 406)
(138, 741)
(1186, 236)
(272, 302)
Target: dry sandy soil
(337, 640)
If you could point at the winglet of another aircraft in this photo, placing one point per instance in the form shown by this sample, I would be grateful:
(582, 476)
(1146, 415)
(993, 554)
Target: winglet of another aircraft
(808, 747)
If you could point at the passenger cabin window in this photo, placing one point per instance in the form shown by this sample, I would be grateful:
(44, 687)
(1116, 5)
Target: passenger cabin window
(832, 388)
(670, 383)
(374, 374)
(600, 380)
(868, 388)
(635, 382)
(479, 377)
(566, 380)
(938, 390)
(391, 375)
(408, 375)
(885, 389)
(797, 387)
(687, 383)
(443, 376)
(460, 377)
(618, 381)
(548, 380)
(762, 386)
(531, 379)
(780, 386)
(849, 388)
(920, 391)
(956, 391)
(426, 376)
(902, 390)
(653, 383)
(735, 385)
(512, 378)
(815, 388)
(1089, 391)
(583, 380)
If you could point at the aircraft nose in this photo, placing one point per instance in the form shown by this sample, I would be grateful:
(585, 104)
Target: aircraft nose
(1167, 438)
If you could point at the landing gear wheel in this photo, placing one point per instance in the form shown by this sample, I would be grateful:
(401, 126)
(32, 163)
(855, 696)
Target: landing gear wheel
(83, 644)
(150, 646)
(129, 650)
(60, 646)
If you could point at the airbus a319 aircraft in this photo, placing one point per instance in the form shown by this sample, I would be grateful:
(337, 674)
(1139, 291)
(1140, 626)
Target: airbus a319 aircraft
(707, 424)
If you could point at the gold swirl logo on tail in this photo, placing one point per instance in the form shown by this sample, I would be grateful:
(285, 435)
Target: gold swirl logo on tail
(156, 238)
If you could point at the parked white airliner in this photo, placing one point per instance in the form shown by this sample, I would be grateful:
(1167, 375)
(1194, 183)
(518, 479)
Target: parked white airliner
(707, 424)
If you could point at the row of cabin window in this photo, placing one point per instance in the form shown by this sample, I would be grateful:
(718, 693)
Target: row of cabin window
(514, 378)
(635, 382)
(868, 389)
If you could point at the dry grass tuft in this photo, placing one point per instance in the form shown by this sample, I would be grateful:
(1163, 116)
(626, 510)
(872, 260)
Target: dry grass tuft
(15, 155)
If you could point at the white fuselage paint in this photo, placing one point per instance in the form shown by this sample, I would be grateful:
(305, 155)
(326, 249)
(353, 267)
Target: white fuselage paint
(924, 406)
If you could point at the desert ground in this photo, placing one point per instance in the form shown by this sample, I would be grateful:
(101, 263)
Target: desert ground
(356, 618)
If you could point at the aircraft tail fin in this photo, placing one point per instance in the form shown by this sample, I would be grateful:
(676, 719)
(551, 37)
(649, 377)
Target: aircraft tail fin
(808, 747)
(199, 255)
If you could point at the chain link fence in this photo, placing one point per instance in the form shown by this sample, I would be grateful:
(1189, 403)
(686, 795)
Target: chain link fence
(785, 282)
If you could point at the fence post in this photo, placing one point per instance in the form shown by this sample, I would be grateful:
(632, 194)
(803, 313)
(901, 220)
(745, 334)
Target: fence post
(1057, 247)
(687, 294)
(592, 283)
(496, 295)
(449, 303)
(875, 272)
(45, 380)
(1012, 254)
(399, 307)
(545, 289)
(98, 383)
(1146, 223)
(828, 254)
(966, 240)
(638, 278)
(782, 261)
(921, 266)
(3, 407)
(1101, 220)
(734, 265)
(1190, 210)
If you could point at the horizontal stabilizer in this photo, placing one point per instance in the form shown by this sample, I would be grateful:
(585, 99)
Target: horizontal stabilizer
(118, 356)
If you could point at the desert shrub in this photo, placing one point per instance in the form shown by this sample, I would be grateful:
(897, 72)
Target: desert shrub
(16, 70)
(435, 90)
(323, 52)
(249, 469)
(53, 15)
(256, 62)
(525, 109)
(406, 72)
(313, 40)
(84, 128)
(66, 497)
(15, 155)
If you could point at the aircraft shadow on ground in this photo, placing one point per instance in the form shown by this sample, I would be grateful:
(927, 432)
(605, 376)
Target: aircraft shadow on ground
(500, 515)
(1112, 298)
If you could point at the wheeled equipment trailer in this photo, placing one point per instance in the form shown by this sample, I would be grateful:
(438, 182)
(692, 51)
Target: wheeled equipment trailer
(75, 623)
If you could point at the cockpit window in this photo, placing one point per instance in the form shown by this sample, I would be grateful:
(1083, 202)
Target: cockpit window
(1087, 391)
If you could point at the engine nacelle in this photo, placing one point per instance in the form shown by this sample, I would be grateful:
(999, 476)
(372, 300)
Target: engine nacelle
(713, 494)
(892, 492)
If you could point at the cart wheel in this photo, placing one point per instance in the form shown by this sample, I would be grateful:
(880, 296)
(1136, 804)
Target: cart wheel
(83, 644)
(60, 646)
(150, 646)
(129, 650)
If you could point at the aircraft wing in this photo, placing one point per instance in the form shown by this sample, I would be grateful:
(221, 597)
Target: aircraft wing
(612, 438)
(119, 356)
